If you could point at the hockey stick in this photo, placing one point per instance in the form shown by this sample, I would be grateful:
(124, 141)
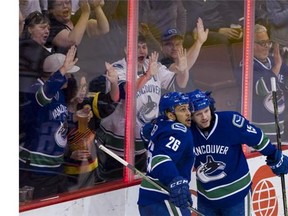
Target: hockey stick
(275, 104)
(130, 166)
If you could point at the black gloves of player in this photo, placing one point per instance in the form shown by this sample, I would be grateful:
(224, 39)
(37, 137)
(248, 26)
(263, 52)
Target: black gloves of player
(179, 192)
(145, 131)
(278, 163)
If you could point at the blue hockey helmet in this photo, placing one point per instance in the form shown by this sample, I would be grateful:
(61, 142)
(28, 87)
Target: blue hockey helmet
(200, 100)
(169, 100)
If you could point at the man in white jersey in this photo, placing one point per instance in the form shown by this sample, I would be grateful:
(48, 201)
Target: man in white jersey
(152, 76)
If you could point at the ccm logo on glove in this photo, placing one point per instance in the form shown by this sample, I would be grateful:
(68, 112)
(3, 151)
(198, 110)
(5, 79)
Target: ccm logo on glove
(179, 182)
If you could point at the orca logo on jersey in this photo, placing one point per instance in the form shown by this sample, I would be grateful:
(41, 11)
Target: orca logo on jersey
(60, 135)
(148, 111)
(268, 102)
(206, 171)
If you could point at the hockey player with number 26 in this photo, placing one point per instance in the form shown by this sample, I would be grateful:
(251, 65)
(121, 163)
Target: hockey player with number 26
(170, 159)
(223, 177)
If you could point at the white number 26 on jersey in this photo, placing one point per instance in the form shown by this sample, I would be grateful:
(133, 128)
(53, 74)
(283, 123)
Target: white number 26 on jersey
(173, 143)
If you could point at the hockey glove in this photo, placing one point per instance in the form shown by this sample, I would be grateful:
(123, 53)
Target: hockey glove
(179, 192)
(278, 163)
(145, 132)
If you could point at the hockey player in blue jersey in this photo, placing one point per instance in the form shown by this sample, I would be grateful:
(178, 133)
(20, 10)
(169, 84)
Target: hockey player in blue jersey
(223, 177)
(170, 159)
(41, 156)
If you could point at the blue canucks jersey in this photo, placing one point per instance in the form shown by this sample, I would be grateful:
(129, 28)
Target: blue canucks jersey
(46, 134)
(263, 109)
(170, 154)
(222, 171)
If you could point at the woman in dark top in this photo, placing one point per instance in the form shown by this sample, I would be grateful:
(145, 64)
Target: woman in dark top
(32, 50)
(32, 53)
(64, 33)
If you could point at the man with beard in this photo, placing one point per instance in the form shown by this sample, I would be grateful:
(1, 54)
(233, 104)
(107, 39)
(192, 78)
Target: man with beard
(41, 156)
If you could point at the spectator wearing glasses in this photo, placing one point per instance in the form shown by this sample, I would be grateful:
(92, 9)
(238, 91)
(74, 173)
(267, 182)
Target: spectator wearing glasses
(172, 45)
(278, 20)
(266, 66)
(64, 33)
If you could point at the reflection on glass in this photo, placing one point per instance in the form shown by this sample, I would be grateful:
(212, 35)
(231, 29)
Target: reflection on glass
(215, 66)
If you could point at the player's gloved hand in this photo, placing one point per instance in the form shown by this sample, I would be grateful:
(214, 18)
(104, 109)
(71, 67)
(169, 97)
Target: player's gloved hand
(180, 195)
(145, 131)
(278, 163)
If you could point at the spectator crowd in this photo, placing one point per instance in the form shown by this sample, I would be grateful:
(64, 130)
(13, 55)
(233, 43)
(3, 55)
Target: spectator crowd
(72, 78)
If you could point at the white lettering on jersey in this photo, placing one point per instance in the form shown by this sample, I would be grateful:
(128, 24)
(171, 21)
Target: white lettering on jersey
(173, 143)
(149, 89)
(149, 155)
(251, 129)
(211, 149)
(155, 127)
(59, 110)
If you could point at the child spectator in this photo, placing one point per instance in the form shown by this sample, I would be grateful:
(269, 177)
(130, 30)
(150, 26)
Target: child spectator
(80, 159)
